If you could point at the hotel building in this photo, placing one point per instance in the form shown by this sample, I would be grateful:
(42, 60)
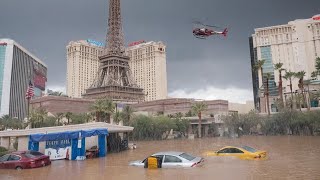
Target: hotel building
(17, 67)
(148, 66)
(296, 45)
(82, 65)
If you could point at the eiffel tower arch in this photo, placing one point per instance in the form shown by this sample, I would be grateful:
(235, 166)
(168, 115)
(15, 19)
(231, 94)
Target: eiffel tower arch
(114, 79)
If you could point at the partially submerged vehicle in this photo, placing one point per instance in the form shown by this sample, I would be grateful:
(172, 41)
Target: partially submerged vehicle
(169, 159)
(24, 160)
(244, 152)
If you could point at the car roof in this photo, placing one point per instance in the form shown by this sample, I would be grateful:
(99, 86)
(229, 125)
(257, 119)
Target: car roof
(175, 153)
(22, 152)
(229, 147)
(239, 147)
(18, 152)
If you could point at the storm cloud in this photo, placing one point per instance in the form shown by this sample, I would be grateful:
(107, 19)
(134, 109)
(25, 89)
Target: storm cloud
(193, 65)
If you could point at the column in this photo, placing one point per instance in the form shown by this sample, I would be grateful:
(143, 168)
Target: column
(102, 145)
(5, 142)
(22, 143)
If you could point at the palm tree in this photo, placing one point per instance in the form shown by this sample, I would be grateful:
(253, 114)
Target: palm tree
(88, 117)
(300, 75)
(33, 118)
(7, 122)
(314, 75)
(37, 117)
(103, 107)
(98, 108)
(127, 113)
(68, 116)
(109, 108)
(198, 108)
(259, 66)
(318, 64)
(288, 76)
(43, 114)
(278, 67)
(59, 117)
(307, 82)
(179, 115)
(268, 76)
(117, 117)
(56, 93)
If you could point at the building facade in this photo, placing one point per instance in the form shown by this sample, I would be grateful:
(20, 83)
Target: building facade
(180, 105)
(17, 68)
(59, 104)
(241, 108)
(82, 65)
(148, 66)
(296, 45)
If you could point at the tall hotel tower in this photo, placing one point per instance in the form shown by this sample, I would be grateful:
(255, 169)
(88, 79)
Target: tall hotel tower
(148, 66)
(296, 45)
(82, 65)
(17, 68)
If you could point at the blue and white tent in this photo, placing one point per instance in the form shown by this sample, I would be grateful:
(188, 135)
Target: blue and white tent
(77, 139)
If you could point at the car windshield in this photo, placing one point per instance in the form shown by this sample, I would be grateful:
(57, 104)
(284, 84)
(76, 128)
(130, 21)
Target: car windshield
(249, 149)
(33, 154)
(187, 156)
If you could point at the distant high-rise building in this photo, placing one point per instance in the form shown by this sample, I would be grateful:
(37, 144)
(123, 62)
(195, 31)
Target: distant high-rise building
(82, 65)
(17, 68)
(296, 45)
(148, 66)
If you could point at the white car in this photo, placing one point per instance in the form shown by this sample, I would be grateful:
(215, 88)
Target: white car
(173, 159)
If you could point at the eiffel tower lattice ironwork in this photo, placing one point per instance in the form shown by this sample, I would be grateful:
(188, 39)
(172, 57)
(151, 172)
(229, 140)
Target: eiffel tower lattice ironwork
(114, 79)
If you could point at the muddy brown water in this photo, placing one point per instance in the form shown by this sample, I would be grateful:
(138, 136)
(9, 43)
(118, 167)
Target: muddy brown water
(289, 157)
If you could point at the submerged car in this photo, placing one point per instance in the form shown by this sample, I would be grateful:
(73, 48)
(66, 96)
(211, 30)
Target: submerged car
(244, 152)
(24, 160)
(172, 159)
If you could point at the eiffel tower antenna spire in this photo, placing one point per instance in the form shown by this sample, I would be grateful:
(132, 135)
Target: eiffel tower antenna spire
(115, 39)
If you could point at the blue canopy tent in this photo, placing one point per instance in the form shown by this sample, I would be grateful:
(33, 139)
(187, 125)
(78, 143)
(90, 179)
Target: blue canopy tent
(77, 140)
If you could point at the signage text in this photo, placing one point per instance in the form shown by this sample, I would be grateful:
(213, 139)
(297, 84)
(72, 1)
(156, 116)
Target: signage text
(137, 42)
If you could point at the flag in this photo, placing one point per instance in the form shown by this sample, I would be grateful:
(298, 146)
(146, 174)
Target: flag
(30, 92)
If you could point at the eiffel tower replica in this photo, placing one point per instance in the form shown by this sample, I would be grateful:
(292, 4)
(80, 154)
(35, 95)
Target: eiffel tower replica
(114, 79)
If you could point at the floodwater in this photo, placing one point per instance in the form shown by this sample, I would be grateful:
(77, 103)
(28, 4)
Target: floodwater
(289, 157)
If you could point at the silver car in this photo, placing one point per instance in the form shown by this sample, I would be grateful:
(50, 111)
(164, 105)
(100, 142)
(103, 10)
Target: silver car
(173, 159)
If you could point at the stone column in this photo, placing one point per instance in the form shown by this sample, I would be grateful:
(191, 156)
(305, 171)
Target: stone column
(23, 143)
(5, 142)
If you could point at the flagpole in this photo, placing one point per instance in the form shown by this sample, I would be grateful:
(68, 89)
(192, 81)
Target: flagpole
(28, 111)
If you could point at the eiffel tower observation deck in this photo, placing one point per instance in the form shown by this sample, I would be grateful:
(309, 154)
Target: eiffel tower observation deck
(114, 79)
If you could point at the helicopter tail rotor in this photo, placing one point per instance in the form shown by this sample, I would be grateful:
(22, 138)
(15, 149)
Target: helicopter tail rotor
(225, 32)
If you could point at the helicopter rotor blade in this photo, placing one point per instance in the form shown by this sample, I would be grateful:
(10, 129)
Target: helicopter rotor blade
(207, 25)
(212, 26)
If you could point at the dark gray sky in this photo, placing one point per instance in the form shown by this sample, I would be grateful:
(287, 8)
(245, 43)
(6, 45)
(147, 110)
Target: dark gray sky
(196, 68)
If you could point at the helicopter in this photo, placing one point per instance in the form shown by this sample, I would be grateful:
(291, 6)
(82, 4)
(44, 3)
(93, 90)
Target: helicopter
(207, 30)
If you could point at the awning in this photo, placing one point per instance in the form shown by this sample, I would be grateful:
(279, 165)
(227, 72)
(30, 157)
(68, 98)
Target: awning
(67, 135)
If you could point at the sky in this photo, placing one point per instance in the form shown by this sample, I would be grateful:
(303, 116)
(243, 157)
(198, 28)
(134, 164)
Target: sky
(216, 68)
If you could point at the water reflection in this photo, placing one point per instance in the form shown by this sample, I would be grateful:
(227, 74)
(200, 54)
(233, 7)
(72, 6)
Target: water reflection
(288, 158)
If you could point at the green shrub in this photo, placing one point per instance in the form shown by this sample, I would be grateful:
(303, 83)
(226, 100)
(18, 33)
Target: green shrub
(149, 128)
(2, 149)
(285, 122)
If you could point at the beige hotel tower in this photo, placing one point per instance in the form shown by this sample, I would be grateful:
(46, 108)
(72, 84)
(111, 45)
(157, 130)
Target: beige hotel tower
(147, 63)
(82, 65)
(148, 66)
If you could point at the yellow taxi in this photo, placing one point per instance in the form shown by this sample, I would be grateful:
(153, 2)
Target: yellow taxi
(244, 152)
